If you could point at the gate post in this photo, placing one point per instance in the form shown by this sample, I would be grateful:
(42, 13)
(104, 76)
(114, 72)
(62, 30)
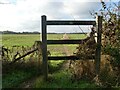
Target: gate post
(44, 47)
(98, 48)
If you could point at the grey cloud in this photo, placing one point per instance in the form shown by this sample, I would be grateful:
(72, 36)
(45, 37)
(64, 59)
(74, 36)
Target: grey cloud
(30, 25)
(83, 10)
(56, 11)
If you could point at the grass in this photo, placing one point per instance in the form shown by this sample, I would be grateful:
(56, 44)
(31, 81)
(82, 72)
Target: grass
(58, 79)
(62, 79)
(24, 39)
(14, 79)
(18, 74)
(58, 49)
(77, 36)
(29, 39)
(0, 81)
(54, 66)
(19, 39)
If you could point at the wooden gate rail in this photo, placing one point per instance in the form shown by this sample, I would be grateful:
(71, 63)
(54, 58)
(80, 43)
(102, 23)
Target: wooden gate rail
(76, 41)
(69, 57)
(64, 22)
(45, 22)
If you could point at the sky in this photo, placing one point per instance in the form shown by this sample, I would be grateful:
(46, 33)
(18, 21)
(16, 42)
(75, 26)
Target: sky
(25, 15)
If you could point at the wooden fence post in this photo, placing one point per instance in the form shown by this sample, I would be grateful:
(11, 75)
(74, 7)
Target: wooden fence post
(44, 47)
(38, 45)
(98, 48)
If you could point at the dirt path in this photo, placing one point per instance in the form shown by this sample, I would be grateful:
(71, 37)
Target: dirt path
(29, 83)
(66, 51)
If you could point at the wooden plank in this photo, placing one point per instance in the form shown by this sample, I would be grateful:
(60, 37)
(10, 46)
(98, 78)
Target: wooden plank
(98, 48)
(44, 47)
(28, 53)
(64, 41)
(67, 41)
(68, 58)
(70, 22)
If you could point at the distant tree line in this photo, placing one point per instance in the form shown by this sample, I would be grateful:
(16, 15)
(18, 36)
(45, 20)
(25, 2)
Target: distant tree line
(35, 32)
(12, 32)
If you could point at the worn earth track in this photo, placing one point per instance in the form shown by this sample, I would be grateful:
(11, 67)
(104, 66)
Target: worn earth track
(29, 83)
(66, 52)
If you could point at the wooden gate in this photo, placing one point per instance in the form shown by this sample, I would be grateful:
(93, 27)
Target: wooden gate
(45, 22)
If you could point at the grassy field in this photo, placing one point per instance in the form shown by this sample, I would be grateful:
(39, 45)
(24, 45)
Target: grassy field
(9, 40)
(29, 39)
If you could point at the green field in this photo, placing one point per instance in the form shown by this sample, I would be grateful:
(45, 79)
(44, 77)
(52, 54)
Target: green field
(29, 39)
(9, 40)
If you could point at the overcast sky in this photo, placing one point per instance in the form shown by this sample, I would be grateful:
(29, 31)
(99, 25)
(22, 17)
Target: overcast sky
(25, 15)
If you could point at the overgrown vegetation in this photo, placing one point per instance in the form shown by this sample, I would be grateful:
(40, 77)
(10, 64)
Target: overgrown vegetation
(111, 44)
(17, 72)
(110, 59)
